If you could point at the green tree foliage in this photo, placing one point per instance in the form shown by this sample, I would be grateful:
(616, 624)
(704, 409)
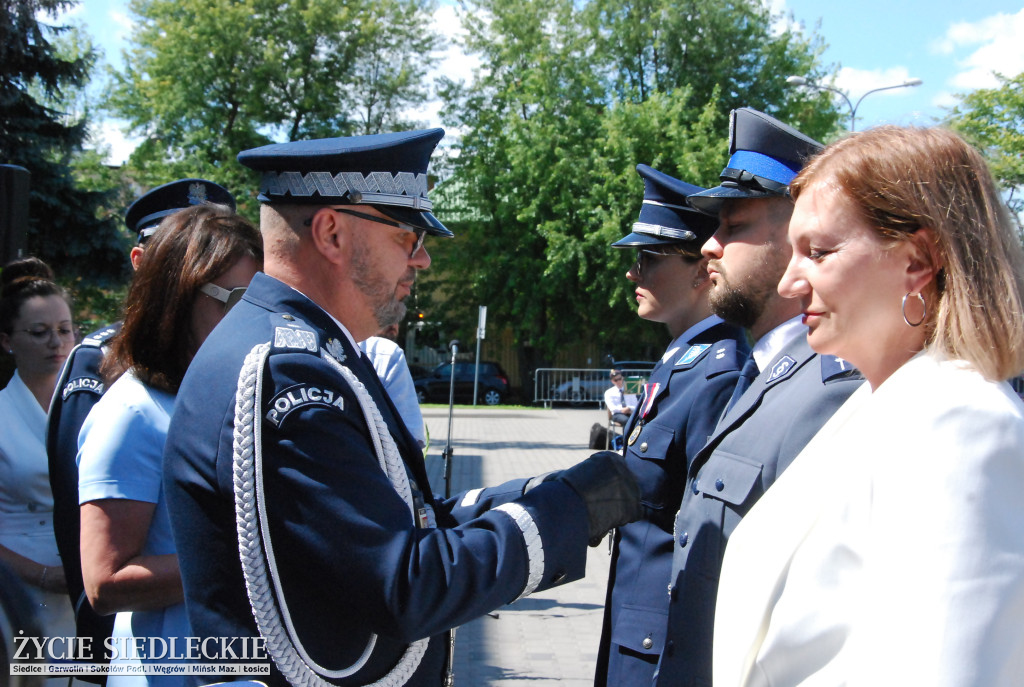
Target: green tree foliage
(569, 97)
(204, 79)
(993, 120)
(43, 124)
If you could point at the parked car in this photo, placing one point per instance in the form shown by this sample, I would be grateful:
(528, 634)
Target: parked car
(588, 386)
(492, 387)
(418, 371)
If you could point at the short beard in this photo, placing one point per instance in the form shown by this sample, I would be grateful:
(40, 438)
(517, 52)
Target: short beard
(744, 304)
(387, 310)
(735, 306)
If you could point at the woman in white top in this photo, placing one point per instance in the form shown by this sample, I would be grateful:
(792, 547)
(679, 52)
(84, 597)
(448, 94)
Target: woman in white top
(195, 267)
(36, 328)
(891, 552)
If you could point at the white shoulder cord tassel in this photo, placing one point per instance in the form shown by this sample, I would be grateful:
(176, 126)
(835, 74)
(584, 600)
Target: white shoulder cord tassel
(276, 626)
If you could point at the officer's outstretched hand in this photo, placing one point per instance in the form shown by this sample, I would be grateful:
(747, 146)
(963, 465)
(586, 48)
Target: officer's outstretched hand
(608, 489)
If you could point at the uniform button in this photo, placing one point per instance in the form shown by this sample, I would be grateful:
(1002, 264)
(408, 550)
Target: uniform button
(669, 646)
(648, 642)
(643, 447)
(719, 484)
(684, 538)
(695, 487)
(287, 317)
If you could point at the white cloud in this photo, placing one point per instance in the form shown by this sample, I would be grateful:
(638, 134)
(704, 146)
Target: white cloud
(108, 135)
(454, 64)
(857, 82)
(995, 45)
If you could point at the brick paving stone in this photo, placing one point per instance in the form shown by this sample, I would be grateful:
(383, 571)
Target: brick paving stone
(552, 636)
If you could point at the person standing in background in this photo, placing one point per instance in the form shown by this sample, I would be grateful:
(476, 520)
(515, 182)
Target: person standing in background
(388, 359)
(891, 551)
(194, 269)
(81, 385)
(681, 403)
(36, 328)
(785, 391)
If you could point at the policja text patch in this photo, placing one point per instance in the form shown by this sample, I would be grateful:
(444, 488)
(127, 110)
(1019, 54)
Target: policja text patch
(300, 396)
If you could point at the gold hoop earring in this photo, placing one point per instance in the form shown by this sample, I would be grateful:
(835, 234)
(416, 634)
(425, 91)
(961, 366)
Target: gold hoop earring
(924, 308)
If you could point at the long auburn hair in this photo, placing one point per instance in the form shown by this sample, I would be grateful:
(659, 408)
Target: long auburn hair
(901, 179)
(190, 248)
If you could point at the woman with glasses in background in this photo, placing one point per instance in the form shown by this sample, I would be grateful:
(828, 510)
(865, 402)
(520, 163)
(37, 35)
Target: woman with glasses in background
(194, 269)
(35, 328)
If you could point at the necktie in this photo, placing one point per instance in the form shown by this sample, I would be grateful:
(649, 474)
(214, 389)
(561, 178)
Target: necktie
(747, 375)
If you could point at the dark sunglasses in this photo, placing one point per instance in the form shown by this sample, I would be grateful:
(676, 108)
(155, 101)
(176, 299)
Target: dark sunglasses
(229, 297)
(421, 234)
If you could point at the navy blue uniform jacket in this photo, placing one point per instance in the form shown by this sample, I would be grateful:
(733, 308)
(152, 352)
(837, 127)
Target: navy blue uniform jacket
(78, 389)
(351, 558)
(664, 435)
(760, 436)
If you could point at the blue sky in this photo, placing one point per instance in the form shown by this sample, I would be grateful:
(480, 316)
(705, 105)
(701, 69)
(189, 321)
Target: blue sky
(952, 46)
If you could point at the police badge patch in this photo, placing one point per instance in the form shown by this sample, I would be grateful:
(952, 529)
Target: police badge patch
(300, 396)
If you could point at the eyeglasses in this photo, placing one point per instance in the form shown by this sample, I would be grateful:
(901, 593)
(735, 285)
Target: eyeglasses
(643, 257)
(229, 297)
(421, 234)
(42, 334)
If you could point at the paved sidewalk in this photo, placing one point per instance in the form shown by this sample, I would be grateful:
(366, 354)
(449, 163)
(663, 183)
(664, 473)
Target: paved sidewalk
(549, 637)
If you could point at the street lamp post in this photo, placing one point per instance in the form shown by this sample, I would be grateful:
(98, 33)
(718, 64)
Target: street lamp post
(801, 81)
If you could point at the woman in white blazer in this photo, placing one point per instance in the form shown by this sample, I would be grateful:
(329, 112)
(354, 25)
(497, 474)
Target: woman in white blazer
(891, 552)
(36, 329)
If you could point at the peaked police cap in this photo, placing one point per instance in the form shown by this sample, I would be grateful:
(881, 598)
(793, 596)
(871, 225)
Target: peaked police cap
(765, 155)
(387, 171)
(665, 218)
(149, 209)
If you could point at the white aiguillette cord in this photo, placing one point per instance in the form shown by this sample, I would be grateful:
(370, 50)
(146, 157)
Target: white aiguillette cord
(260, 572)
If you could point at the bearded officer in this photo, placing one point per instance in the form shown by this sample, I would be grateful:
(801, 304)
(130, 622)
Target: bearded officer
(289, 473)
(79, 388)
(785, 393)
(680, 405)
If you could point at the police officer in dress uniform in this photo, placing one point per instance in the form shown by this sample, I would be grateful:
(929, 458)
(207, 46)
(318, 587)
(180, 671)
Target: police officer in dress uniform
(80, 386)
(680, 405)
(289, 473)
(786, 391)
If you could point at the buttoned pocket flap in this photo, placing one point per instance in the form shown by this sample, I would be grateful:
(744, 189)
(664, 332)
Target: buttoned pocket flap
(641, 629)
(730, 478)
(652, 443)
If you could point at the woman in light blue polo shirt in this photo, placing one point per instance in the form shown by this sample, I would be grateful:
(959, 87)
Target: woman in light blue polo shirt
(194, 269)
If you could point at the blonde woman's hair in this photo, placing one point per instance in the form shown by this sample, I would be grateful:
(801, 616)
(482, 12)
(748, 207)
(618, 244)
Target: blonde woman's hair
(901, 179)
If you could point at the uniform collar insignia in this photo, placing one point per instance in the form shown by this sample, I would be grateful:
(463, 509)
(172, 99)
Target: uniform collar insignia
(781, 367)
(692, 353)
(335, 350)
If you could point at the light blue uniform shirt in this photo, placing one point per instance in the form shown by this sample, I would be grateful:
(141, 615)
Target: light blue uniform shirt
(120, 456)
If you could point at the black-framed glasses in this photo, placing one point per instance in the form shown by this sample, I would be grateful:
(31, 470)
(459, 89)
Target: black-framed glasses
(229, 297)
(421, 234)
(42, 334)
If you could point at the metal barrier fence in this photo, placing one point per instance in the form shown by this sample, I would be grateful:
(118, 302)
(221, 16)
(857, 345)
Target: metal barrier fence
(580, 386)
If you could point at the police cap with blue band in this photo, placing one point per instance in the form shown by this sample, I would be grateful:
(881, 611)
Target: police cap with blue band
(149, 209)
(665, 218)
(386, 171)
(765, 155)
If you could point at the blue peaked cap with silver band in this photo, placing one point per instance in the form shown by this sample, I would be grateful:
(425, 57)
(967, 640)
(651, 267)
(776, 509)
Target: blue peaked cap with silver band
(765, 155)
(386, 171)
(665, 219)
(145, 214)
